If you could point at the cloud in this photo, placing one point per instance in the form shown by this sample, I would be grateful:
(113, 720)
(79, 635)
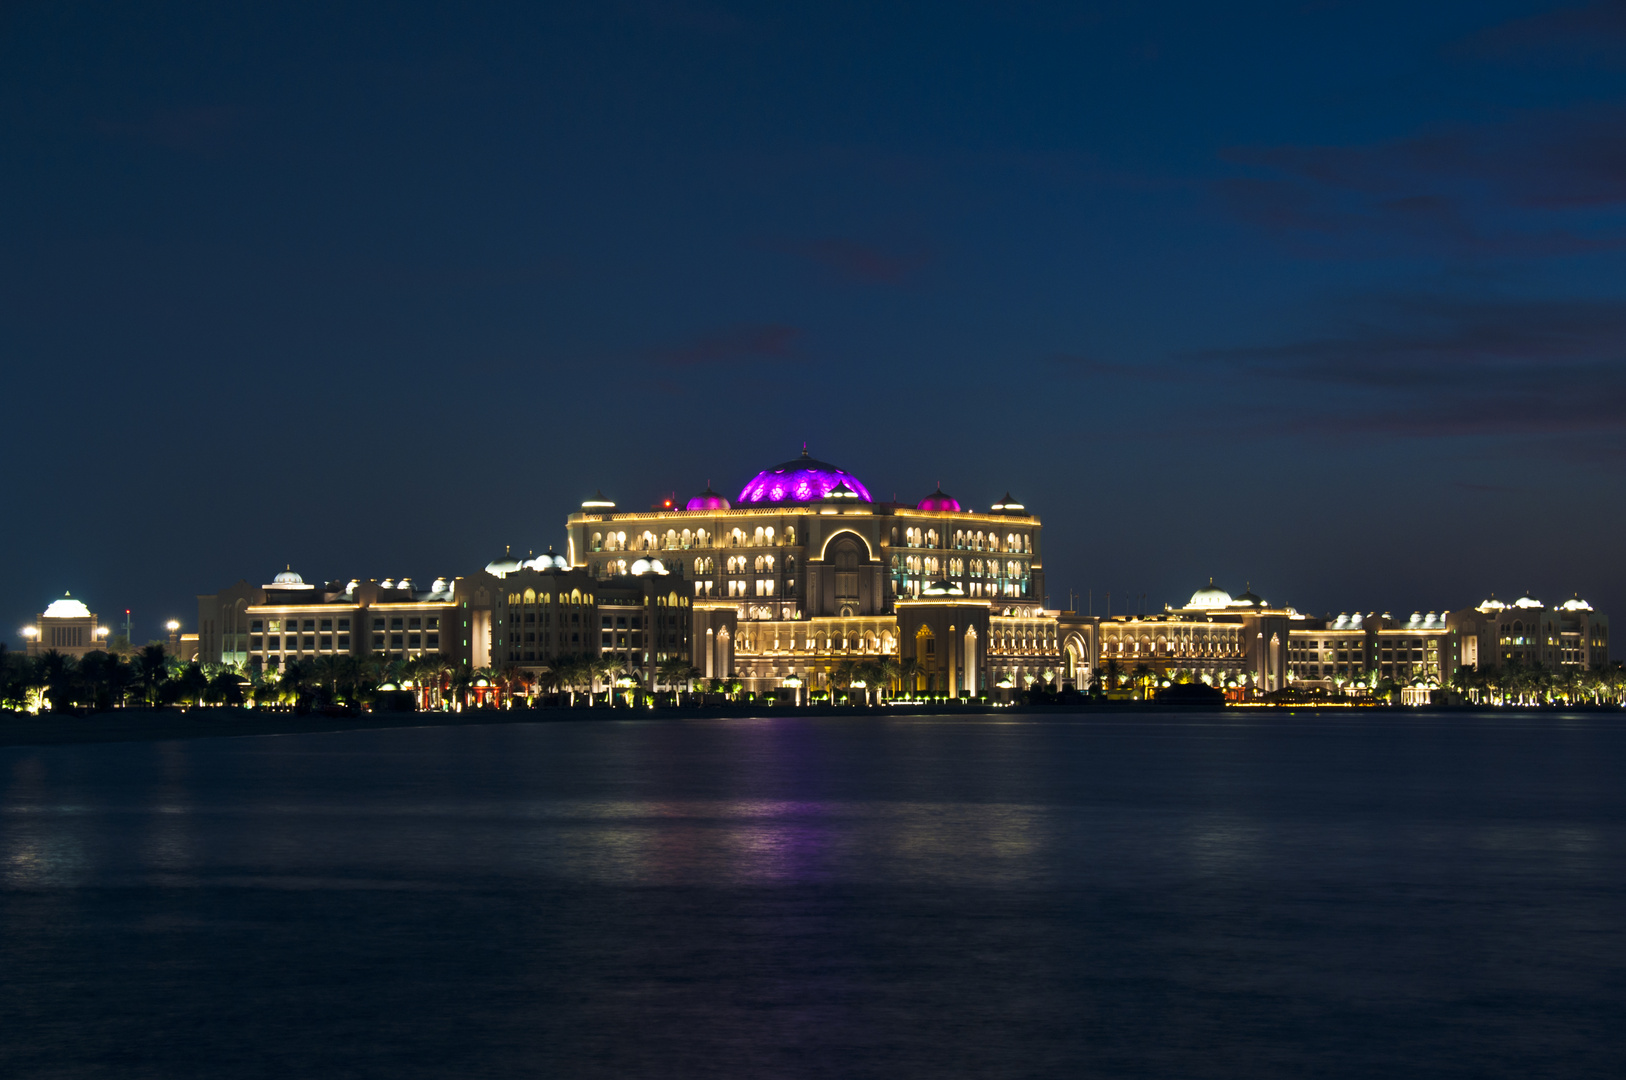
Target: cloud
(1567, 33)
(1075, 364)
(858, 261)
(736, 344)
(180, 129)
(1448, 366)
(1531, 184)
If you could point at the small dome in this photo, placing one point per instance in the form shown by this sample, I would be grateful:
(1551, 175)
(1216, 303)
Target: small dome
(1493, 604)
(548, 560)
(1249, 599)
(501, 568)
(1008, 505)
(1528, 601)
(708, 500)
(597, 503)
(67, 608)
(1575, 603)
(1211, 598)
(404, 583)
(641, 567)
(940, 502)
(288, 580)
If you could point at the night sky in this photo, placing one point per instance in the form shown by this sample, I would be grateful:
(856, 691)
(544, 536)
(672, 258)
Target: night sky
(1325, 297)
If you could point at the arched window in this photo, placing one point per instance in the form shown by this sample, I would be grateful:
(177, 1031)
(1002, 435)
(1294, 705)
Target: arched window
(759, 564)
(790, 535)
(597, 543)
(530, 596)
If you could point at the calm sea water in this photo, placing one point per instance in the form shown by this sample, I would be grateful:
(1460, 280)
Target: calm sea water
(1194, 896)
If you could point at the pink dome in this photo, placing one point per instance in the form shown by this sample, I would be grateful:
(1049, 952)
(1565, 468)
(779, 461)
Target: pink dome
(802, 480)
(939, 501)
(708, 500)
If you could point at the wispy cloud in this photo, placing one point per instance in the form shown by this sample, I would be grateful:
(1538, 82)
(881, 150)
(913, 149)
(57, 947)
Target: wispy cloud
(193, 129)
(1566, 34)
(1523, 186)
(1444, 366)
(736, 344)
(856, 260)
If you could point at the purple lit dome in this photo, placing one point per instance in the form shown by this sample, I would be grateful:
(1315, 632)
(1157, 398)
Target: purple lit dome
(708, 500)
(940, 501)
(802, 480)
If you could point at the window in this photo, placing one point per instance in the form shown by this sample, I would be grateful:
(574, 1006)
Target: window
(604, 620)
(344, 642)
(434, 622)
(344, 624)
(432, 640)
(254, 642)
(378, 624)
(255, 627)
(395, 624)
(415, 624)
(310, 625)
(273, 642)
(327, 641)
(378, 641)
(395, 640)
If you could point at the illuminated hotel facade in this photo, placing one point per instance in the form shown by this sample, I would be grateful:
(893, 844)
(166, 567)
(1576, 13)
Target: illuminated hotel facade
(804, 572)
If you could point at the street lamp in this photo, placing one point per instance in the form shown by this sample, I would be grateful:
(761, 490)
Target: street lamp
(172, 626)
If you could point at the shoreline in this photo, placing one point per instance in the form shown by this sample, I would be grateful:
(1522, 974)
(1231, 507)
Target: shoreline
(158, 725)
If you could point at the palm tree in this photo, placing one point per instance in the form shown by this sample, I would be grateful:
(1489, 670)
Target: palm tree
(193, 683)
(909, 675)
(889, 671)
(605, 669)
(672, 671)
(154, 671)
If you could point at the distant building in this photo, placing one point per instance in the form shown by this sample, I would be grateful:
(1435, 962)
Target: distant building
(288, 619)
(1214, 639)
(66, 626)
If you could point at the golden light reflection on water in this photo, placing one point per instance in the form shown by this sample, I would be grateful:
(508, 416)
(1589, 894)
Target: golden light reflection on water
(767, 841)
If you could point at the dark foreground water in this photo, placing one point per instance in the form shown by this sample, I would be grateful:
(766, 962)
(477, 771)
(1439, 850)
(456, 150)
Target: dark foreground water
(1170, 897)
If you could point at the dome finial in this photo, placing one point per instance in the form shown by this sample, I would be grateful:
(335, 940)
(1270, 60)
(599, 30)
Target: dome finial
(804, 448)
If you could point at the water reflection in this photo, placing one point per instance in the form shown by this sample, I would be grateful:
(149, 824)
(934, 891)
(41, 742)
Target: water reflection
(1188, 896)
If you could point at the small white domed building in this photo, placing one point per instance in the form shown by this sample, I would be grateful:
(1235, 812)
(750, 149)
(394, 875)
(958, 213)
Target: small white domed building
(66, 626)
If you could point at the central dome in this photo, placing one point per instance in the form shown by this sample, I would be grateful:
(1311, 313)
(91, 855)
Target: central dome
(803, 480)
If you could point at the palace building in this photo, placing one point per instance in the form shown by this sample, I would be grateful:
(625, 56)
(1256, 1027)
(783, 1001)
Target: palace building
(805, 570)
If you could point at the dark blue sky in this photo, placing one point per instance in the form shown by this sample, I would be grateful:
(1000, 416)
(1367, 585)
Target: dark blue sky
(1323, 296)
